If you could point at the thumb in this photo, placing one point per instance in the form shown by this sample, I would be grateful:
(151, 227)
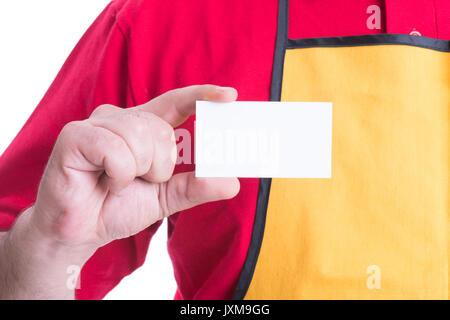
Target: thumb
(184, 191)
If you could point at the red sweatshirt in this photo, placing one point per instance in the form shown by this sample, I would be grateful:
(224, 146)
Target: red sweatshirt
(139, 49)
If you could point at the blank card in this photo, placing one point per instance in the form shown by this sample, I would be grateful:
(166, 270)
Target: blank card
(252, 139)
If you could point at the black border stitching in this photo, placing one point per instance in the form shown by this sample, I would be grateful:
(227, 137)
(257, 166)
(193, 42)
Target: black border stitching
(264, 183)
(282, 44)
(371, 39)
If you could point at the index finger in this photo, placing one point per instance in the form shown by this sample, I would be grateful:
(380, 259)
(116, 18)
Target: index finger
(177, 105)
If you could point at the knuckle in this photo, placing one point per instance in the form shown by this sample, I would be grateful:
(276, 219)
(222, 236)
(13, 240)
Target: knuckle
(161, 170)
(150, 123)
(140, 128)
(70, 131)
(115, 143)
(70, 127)
(102, 109)
(143, 159)
(138, 121)
(165, 131)
(161, 176)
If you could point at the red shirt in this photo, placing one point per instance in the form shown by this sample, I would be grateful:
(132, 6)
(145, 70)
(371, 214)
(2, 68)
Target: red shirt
(137, 50)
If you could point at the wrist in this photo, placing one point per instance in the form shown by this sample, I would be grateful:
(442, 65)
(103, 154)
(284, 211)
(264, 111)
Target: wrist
(26, 235)
(35, 265)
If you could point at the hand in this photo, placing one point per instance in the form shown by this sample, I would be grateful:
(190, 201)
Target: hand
(111, 176)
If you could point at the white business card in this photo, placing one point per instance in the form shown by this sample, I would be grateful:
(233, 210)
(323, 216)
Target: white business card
(252, 139)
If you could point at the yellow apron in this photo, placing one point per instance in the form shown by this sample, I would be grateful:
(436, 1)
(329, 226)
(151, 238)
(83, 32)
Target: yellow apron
(379, 228)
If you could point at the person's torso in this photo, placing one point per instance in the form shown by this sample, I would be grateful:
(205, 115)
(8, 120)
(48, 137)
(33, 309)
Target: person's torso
(383, 214)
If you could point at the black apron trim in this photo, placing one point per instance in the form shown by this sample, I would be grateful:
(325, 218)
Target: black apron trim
(282, 44)
(264, 183)
(371, 39)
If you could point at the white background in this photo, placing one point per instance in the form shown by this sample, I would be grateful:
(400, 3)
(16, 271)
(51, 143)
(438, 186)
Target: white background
(36, 38)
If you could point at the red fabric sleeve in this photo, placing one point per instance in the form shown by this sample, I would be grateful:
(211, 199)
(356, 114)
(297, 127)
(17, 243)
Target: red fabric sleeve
(70, 97)
(95, 73)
